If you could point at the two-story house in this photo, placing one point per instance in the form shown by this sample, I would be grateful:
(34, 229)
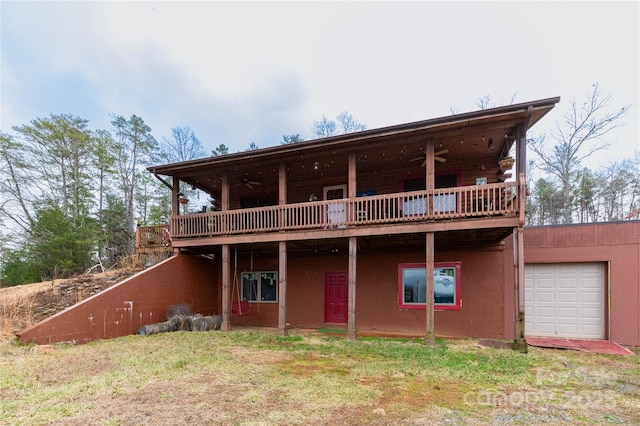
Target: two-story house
(408, 229)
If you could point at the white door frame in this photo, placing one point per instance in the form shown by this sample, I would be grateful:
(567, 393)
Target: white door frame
(335, 213)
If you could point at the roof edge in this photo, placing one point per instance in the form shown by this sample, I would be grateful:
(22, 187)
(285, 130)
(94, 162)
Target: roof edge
(339, 139)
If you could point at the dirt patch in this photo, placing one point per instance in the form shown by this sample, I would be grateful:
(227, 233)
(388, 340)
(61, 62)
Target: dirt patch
(28, 304)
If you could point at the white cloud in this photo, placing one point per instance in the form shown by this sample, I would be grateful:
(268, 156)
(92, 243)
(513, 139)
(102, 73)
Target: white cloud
(238, 72)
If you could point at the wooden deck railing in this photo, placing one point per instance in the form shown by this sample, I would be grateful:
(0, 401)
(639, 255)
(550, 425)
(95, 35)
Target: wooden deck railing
(152, 237)
(447, 203)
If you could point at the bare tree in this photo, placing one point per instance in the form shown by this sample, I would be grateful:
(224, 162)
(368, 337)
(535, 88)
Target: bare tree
(15, 199)
(183, 145)
(324, 128)
(348, 124)
(486, 102)
(580, 135)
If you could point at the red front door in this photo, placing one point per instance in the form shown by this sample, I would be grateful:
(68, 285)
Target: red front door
(335, 294)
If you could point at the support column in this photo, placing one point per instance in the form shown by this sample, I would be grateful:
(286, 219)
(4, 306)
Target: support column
(282, 253)
(430, 172)
(352, 188)
(519, 342)
(175, 211)
(226, 289)
(351, 313)
(429, 338)
(521, 172)
(175, 206)
(282, 288)
(282, 193)
(224, 202)
(430, 184)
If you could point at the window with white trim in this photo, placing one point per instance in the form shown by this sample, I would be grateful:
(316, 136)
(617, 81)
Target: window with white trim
(261, 286)
(412, 286)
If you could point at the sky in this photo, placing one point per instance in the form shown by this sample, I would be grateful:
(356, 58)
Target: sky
(242, 72)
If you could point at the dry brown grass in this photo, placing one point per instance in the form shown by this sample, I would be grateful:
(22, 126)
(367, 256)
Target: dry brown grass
(22, 306)
(17, 306)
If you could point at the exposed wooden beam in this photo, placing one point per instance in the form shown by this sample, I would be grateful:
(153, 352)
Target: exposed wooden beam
(351, 182)
(164, 182)
(282, 189)
(430, 171)
(224, 192)
(363, 231)
(175, 206)
(351, 188)
(282, 184)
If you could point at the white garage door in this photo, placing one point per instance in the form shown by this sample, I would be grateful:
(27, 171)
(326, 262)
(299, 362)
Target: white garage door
(565, 300)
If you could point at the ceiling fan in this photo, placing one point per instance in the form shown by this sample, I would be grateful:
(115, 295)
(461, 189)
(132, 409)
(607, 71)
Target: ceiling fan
(246, 181)
(436, 156)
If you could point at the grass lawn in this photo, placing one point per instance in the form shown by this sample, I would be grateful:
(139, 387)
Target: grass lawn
(257, 378)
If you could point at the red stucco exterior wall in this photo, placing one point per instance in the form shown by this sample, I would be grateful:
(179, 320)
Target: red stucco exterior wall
(139, 300)
(377, 310)
(615, 244)
(487, 277)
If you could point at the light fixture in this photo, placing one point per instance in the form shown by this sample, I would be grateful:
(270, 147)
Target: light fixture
(316, 166)
(482, 166)
(490, 143)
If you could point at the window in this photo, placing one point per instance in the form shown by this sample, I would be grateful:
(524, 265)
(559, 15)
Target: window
(412, 286)
(260, 286)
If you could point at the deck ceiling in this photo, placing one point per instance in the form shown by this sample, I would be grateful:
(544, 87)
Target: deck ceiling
(482, 137)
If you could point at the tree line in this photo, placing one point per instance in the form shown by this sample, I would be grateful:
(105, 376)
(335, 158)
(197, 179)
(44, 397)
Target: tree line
(567, 192)
(71, 196)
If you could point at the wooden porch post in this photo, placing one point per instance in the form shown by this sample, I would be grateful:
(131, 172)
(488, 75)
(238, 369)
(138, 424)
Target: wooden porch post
(175, 209)
(282, 288)
(175, 206)
(519, 342)
(352, 186)
(226, 289)
(282, 254)
(226, 266)
(353, 249)
(429, 338)
(282, 193)
(351, 314)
